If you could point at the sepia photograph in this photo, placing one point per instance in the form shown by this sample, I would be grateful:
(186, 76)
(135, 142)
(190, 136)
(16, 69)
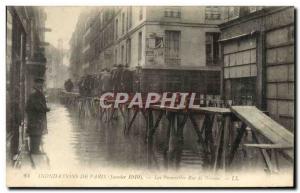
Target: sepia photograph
(150, 96)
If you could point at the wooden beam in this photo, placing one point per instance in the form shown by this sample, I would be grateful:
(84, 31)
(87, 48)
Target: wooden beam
(269, 146)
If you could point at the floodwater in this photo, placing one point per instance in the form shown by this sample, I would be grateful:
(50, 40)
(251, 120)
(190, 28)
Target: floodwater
(73, 141)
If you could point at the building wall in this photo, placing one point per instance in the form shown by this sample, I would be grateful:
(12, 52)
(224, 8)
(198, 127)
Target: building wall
(192, 43)
(153, 22)
(57, 67)
(280, 92)
(274, 59)
(189, 14)
(191, 23)
(240, 70)
(136, 19)
(134, 48)
(25, 60)
(128, 22)
(131, 31)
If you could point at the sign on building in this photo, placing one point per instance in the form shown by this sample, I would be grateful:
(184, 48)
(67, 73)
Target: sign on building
(155, 50)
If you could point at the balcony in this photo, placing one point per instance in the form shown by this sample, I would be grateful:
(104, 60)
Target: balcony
(172, 61)
(212, 61)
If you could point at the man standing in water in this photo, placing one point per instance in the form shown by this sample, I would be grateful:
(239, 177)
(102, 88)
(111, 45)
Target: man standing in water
(36, 110)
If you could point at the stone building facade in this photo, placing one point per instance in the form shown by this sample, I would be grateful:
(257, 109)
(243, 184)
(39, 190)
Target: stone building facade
(183, 49)
(258, 60)
(25, 60)
(156, 40)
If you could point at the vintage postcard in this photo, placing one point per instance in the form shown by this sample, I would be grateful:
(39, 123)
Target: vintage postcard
(150, 96)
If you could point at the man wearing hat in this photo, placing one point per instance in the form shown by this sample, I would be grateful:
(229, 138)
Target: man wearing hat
(126, 80)
(117, 78)
(36, 110)
(114, 77)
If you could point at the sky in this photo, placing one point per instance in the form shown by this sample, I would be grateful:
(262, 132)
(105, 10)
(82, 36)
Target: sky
(62, 22)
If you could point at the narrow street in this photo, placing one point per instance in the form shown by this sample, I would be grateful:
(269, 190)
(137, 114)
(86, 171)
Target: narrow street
(149, 89)
(75, 141)
(72, 142)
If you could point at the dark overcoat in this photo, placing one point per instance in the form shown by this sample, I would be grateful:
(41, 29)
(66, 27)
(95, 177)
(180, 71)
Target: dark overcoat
(36, 109)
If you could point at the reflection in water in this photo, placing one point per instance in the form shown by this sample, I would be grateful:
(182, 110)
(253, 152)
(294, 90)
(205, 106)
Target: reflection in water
(87, 142)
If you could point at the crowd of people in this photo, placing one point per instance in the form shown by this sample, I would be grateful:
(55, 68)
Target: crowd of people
(118, 79)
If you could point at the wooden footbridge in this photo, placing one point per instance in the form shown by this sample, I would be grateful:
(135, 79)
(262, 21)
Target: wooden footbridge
(220, 135)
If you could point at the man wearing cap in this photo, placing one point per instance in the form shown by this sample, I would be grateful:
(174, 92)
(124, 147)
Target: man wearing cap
(36, 110)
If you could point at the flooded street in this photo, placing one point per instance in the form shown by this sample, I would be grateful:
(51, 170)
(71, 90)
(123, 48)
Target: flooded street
(86, 142)
(155, 96)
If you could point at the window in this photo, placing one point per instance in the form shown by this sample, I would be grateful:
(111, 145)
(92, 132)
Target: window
(128, 52)
(243, 91)
(116, 56)
(172, 48)
(140, 46)
(101, 20)
(255, 8)
(117, 25)
(233, 12)
(213, 82)
(129, 18)
(174, 12)
(244, 10)
(110, 33)
(122, 54)
(101, 41)
(141, 13)
(212, 13)
(123, 23)
(212, 48)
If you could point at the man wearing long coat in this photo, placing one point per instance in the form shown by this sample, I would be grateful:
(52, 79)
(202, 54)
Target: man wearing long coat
(127, 80)
(36, 109)
(106, 82)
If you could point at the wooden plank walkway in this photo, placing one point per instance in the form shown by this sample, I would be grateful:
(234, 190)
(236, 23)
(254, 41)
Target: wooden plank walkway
(212, 110)
(215, 135)
(267, 127)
